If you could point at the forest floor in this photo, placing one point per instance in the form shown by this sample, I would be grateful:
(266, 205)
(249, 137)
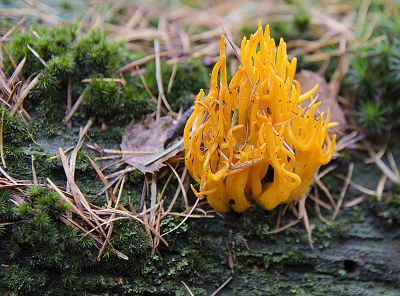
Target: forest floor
(89, 91)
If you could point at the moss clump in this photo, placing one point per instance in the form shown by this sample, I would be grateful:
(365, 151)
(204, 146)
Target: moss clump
(70, 60)
(38, 240)
(374, 72)
(130, 239)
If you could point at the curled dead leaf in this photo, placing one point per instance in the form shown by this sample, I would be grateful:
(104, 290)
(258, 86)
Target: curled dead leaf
(308, 80)
(148, 135)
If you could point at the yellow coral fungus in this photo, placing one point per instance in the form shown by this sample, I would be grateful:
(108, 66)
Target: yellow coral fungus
(251, 141)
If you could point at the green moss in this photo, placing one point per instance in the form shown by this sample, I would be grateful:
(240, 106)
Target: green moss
(7, 208)
(130, 239)
(22, 280)
(371, 115)
(169, 223)
(46, 243)
(258, 222)
(15, 131)
(71, 58)
(67, 5)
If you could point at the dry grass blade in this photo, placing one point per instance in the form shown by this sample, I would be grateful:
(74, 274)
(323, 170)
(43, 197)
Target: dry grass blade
(126, 215)
(392, 175)
(288, 225)
(357, 186)
(78, 146)
(171, 79)
(119, 80)
(380, 187)
(187, 288)
(107, 239)
(140, 62)
(34, 175)
(379, 154)
(24, 94)
(161, 93)
(121, 172)
(36, 54)
(355, 201)
(98, 242)
(343, 191)
(153, 198)
(7, 176)
(106, 186)
(178, 190)
(304, 216)
(322, 186)
(320, 202)
(68, 117)
(74, 208)
(231, 259)
(316, 206)
(183, 221)
(185, 198)
(74, 189)
(16, 73)
(104, 180)
(392, 162)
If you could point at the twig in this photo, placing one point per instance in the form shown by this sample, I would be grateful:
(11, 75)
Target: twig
(220, 287)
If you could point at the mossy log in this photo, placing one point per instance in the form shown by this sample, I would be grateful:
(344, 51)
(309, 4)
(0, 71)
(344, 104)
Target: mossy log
(358, 254)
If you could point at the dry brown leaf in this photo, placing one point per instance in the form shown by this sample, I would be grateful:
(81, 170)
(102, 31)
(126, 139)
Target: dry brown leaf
(150, 136)
(308, 80)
